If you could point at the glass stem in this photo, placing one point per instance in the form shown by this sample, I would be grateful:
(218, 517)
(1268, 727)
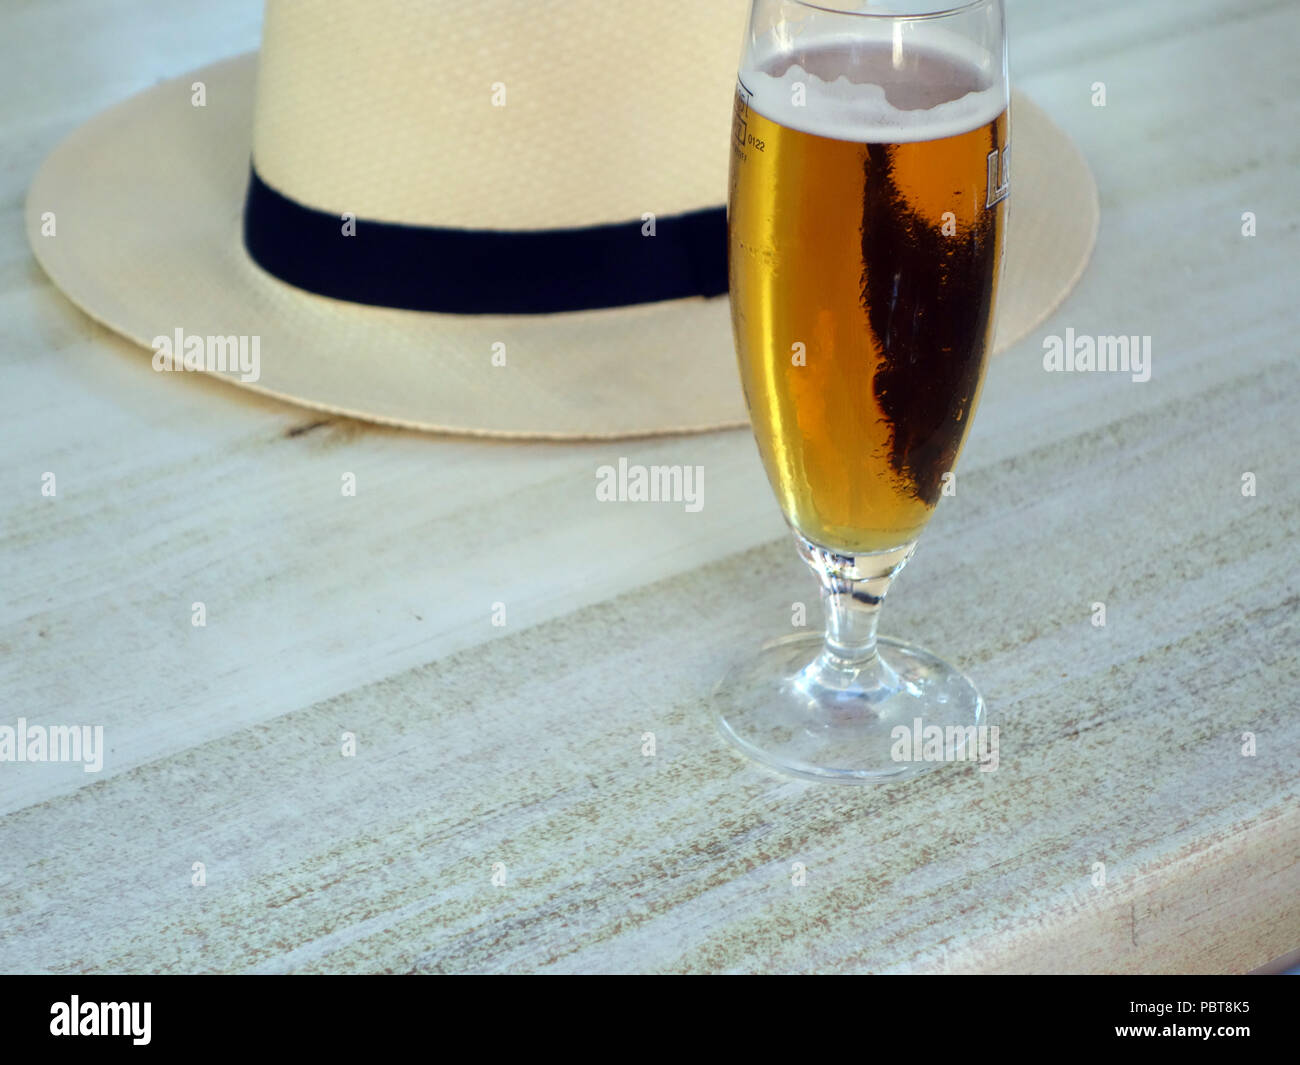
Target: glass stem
(853, 589)
(852, 612)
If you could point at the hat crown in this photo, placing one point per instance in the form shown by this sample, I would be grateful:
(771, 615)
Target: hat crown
(497, 114)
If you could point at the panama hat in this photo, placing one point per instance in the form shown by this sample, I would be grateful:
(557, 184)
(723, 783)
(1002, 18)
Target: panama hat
(496, 218)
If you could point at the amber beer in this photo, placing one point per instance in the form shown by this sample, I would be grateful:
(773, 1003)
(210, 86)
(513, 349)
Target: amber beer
(865, 232)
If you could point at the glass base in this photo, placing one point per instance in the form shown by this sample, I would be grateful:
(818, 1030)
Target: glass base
(798, 709)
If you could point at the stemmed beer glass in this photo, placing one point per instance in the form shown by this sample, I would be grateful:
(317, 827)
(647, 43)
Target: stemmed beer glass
(867, 207)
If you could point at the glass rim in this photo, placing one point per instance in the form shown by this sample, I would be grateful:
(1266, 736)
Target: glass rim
(939, 12)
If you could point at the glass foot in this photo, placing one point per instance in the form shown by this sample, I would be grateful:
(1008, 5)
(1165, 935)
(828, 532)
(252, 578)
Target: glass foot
(799, 709)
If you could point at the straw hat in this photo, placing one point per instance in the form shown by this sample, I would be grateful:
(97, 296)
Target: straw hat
(535, 197)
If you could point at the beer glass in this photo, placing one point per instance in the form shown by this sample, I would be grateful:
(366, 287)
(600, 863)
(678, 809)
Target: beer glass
(865, 222)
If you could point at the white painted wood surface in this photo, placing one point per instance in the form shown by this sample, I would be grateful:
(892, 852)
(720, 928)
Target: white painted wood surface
(522, 745)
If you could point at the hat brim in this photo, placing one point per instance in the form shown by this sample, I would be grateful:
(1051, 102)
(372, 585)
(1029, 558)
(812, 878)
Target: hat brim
(148, 196)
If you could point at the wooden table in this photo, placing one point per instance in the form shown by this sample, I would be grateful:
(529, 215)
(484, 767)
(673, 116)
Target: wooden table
(499, 813)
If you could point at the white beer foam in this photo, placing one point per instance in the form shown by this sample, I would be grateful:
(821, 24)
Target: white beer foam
(858, 111)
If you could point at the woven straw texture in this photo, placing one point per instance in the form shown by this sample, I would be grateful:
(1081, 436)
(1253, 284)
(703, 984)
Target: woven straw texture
(606, 111)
